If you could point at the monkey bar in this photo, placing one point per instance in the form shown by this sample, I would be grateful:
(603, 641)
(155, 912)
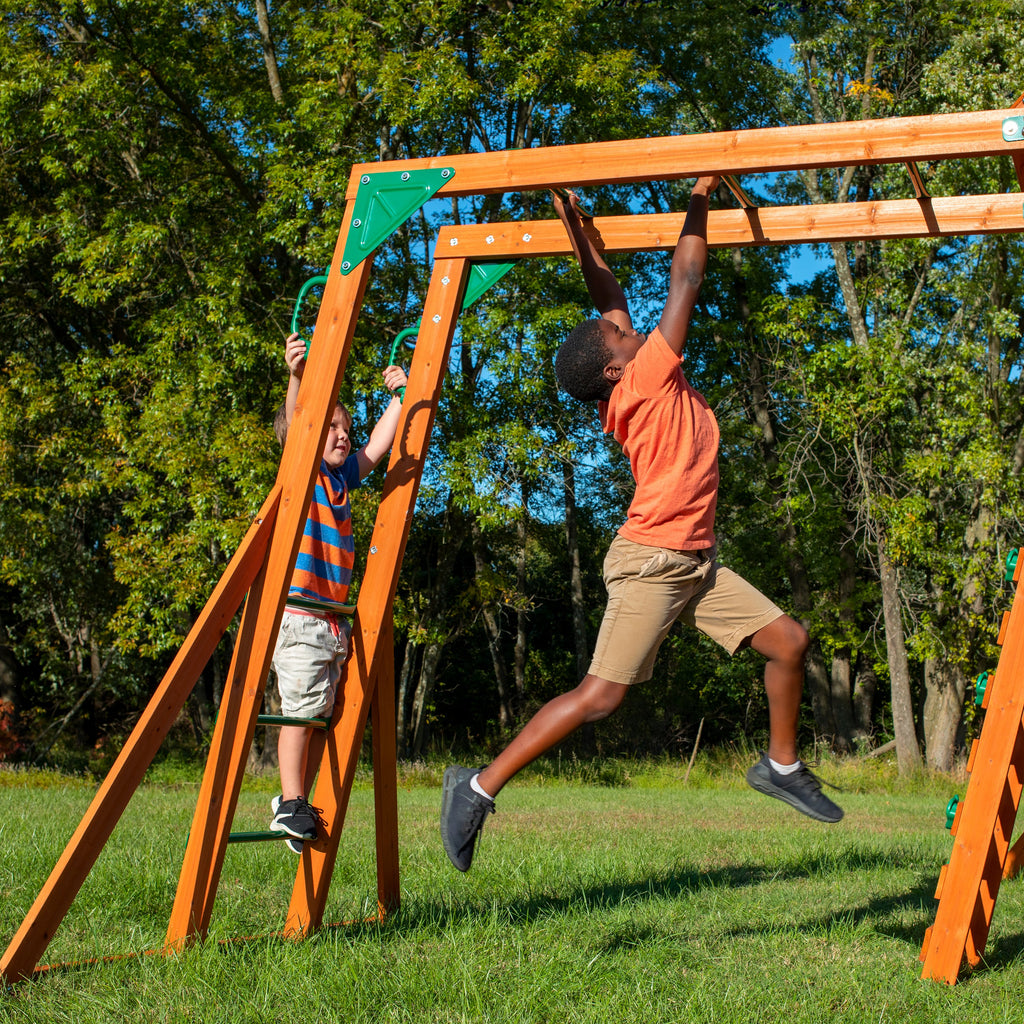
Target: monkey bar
(263, 565)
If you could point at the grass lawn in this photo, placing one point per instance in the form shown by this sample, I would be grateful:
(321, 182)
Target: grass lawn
(643, 901)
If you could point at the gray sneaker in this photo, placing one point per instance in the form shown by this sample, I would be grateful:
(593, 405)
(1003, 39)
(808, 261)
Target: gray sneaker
(801, 789)
(463, 812)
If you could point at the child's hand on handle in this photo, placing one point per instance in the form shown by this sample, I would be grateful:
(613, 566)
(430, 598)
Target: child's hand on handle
(565, 199)
(707, 184)
(295, 354)
(395, 378)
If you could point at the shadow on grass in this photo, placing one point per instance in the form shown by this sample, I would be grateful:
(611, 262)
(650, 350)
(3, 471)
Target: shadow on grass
(882, 912)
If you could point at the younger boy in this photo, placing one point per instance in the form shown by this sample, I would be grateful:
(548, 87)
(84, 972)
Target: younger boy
(662, 565)
(312, 644)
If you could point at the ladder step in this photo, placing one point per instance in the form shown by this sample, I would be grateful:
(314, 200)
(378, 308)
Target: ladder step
(348, 610)
(312, 723)
(258, 837)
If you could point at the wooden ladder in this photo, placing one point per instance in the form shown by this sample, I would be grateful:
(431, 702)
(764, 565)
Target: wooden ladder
(983, 822)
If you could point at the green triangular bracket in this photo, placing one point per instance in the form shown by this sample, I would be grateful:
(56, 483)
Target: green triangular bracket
(384, 202)
(481, 277)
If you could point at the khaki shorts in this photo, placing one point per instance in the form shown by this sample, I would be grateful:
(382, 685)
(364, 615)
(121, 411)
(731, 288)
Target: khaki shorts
(649, 588)
(308, 658)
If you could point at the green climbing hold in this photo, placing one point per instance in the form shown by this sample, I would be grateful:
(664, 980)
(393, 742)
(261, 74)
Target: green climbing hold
(951, 809)
(980, 685)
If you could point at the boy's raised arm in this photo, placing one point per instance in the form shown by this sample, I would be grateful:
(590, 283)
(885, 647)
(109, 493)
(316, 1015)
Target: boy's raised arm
(688, 263)
(382, 437)
(605, 291)
(295, 357)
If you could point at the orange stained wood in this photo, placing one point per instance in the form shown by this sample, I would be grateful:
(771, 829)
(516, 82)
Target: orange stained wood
(380, 580)
(137, 755)
(332, 338)
(384, 728)
(970, 883)
(833, 222)
(751, 151)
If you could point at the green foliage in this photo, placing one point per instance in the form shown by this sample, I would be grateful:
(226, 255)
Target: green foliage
(172, 176)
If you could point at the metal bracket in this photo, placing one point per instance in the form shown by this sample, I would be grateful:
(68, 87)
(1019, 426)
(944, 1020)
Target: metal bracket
(481, 277)
(1013, 129)
(383, 203)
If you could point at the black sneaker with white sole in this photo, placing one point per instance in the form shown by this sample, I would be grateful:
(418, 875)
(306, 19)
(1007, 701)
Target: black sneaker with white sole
(296, 818)
(800, 789)
(463, 812)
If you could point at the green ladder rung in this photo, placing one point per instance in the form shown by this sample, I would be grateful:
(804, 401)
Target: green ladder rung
(312, 723)
(258, 837)
(321, 606)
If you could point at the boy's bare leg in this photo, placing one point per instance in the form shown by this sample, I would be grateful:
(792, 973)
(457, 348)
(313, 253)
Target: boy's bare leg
(292, 745)
(592, 700)
(784, 643)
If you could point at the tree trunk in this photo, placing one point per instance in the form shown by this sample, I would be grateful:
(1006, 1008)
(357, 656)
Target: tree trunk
(424, 690)
(865, 686)
(945, 688)
(405, 675)
(841, 676)
(579, 613)
(489, 612)
(431, 624)
(522, 601)
(269, 52)
(908, 753)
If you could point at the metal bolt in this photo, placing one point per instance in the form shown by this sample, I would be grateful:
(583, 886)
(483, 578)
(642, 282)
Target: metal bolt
(444, 280)
(445, 173)
(436, 318)
(453, 242)
(365, 179)
(527, 238)
(373, 550)
(1012, 129)
(357, 223)
(346, 265)
(489, 239)
(405, 175)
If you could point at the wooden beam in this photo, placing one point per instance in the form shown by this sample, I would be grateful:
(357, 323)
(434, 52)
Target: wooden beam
(751, 151)
(373, 610)
(837, 222)
(332, 339)
(128, 770)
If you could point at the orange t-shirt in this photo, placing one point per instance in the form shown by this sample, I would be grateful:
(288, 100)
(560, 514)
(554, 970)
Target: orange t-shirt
(670, 436)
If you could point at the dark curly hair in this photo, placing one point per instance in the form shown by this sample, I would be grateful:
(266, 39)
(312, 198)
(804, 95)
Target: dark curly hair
(580, 363)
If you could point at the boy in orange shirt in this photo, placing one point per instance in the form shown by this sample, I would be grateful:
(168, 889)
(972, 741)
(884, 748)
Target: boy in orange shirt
(661, 566)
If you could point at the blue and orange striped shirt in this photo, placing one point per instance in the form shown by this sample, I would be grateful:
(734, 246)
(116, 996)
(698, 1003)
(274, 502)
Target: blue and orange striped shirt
(327, 553)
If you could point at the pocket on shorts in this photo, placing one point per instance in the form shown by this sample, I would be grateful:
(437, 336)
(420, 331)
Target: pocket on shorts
(654, 565)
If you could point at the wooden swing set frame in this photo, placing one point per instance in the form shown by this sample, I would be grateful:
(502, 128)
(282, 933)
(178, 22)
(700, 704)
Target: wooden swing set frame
(259, 573)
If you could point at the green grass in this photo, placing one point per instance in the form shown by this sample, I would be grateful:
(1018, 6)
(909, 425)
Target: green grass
(625, 897)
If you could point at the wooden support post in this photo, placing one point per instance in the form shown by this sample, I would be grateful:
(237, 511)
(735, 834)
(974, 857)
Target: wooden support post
(385, 776)
(380, 581)
(243, 695)
(56, 896)
(969, 883)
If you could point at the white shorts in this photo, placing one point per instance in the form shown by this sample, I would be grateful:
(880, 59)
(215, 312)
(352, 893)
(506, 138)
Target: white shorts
(308, 658)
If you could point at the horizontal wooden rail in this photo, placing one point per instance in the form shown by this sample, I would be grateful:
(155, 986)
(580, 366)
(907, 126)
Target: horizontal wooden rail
(777, 225)
(751, 151)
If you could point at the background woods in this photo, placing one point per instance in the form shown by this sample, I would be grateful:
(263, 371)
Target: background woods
(171, 176)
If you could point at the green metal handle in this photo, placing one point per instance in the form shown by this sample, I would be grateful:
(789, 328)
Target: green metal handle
(951, 810)
(311, 283)
(409, 332)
